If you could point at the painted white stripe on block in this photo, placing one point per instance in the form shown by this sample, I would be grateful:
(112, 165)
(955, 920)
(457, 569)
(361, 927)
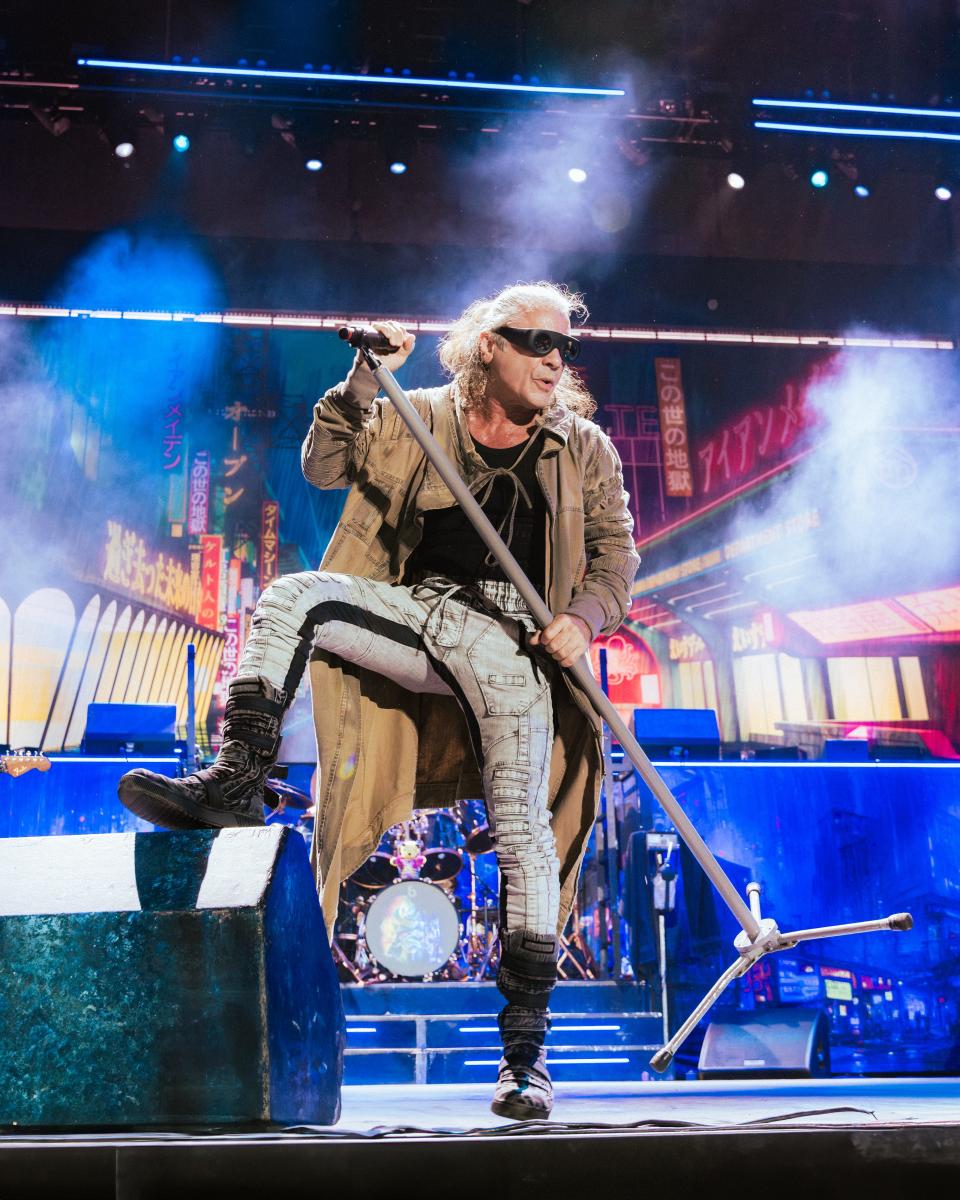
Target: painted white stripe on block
(239, 867)
(84, 873)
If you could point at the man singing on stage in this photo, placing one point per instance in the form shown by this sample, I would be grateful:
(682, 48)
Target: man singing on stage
(421, 651)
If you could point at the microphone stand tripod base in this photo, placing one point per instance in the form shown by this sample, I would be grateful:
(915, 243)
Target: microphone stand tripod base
(768, 941)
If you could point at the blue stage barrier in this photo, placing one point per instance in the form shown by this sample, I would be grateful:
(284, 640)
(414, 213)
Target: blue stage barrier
(829, 842)
(77, 795)
(837, 842)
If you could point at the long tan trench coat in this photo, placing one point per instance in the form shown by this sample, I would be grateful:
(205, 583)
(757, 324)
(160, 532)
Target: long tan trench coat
(384, 750)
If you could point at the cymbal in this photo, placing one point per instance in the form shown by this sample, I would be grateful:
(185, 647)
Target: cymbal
(278, 789)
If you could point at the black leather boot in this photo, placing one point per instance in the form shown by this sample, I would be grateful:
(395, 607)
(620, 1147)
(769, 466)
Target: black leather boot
(228, 793)
(524, 1091)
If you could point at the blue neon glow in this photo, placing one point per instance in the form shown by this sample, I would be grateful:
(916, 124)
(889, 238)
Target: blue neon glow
(314, 164)
(361, 1029)
(334, 77)
(889, 110)
(904, 134)
(553, 1029)
(819, 179)
(490, 1062)
(943, 192)
(398, 168)
(862, 191)
(181, 143)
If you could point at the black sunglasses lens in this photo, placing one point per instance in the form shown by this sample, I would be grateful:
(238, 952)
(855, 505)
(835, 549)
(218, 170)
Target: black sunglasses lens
(542, 341)
(570, 351)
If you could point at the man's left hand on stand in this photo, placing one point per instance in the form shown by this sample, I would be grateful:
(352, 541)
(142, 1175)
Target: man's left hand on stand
(566, 639)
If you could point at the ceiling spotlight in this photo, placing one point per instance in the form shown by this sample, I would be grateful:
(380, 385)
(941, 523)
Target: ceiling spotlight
(314, 164)
(819, 178)
(181, 143)
(123, 149)
(736, 181)
(862, 191)
(577, 175)
(943, 192)
(398, 168)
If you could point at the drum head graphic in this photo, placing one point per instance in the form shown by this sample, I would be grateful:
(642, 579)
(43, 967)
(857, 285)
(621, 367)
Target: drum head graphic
(412, 928)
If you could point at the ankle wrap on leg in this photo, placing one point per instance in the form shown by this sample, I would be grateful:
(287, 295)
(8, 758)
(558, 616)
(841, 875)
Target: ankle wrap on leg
(523, 1031)
(254, 714)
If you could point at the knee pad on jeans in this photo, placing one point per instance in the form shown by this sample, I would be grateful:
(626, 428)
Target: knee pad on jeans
(528, 967)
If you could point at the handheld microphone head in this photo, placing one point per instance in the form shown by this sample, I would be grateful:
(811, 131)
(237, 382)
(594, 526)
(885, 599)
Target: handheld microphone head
(366, 339)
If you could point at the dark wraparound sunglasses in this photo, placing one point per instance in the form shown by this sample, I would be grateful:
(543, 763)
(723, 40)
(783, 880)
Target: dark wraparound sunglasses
(541, 341)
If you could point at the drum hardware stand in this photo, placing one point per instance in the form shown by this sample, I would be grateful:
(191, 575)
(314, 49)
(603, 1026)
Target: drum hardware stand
(759, 935)
(480, 943)
(587, 968)
(342, 961)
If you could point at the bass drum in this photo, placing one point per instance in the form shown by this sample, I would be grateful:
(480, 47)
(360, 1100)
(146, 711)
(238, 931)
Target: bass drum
(412, 928)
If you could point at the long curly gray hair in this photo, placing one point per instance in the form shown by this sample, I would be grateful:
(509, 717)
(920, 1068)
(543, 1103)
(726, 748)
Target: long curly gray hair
(460, 348)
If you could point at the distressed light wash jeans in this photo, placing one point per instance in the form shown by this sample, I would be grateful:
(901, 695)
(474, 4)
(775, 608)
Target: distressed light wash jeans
(470, 643)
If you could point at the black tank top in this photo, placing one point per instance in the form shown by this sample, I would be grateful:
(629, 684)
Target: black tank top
(451, 546)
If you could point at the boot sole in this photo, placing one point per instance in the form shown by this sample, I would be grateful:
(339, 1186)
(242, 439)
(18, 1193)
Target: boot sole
(151, 803)
(518, 1112)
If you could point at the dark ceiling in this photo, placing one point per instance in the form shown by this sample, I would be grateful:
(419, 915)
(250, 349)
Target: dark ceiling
(482, 175)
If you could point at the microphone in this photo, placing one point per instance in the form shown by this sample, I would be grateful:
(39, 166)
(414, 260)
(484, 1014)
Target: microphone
(367, 339)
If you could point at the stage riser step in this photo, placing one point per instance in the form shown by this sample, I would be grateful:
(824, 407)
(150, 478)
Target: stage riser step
(480, 1066)
(482, 999)
(471, 1032)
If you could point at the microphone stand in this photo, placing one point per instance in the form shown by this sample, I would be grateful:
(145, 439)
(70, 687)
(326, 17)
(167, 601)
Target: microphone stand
(759, 935)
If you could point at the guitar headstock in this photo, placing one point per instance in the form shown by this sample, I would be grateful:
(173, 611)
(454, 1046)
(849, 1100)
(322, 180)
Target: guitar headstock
(19, 764)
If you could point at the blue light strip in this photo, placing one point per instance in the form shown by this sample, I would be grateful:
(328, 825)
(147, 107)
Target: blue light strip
(491, 1062)
(905, 134)
(553, 1028)
(334, 77)
(885, 109)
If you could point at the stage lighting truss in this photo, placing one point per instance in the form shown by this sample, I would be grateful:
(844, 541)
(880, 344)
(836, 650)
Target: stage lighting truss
(427, 325)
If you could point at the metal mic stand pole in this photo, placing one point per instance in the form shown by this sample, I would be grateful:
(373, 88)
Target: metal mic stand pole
(759, 935)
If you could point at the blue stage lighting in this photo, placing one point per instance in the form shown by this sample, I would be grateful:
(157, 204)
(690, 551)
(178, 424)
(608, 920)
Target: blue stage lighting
(327, 76)
(398, 168)
(914, 135)
(736, 181)
(123, 149)
(577, 175)
(885, 109)
(943, 192)
(819, 178)
(862, 191)
(314, 164)
(181, 143)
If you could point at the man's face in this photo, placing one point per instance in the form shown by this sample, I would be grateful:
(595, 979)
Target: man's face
(517, 377)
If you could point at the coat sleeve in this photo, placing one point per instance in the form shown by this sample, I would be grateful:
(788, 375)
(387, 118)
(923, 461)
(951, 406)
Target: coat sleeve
(603, 598)
(346, 419)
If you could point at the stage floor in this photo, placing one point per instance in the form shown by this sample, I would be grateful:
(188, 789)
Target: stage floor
(719, 1104)
(885, 1138)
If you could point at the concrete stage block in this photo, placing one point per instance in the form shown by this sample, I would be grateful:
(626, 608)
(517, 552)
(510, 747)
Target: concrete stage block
(166, 979)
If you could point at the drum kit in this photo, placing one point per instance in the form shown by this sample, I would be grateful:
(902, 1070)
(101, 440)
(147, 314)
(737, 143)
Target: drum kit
(424, 905)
